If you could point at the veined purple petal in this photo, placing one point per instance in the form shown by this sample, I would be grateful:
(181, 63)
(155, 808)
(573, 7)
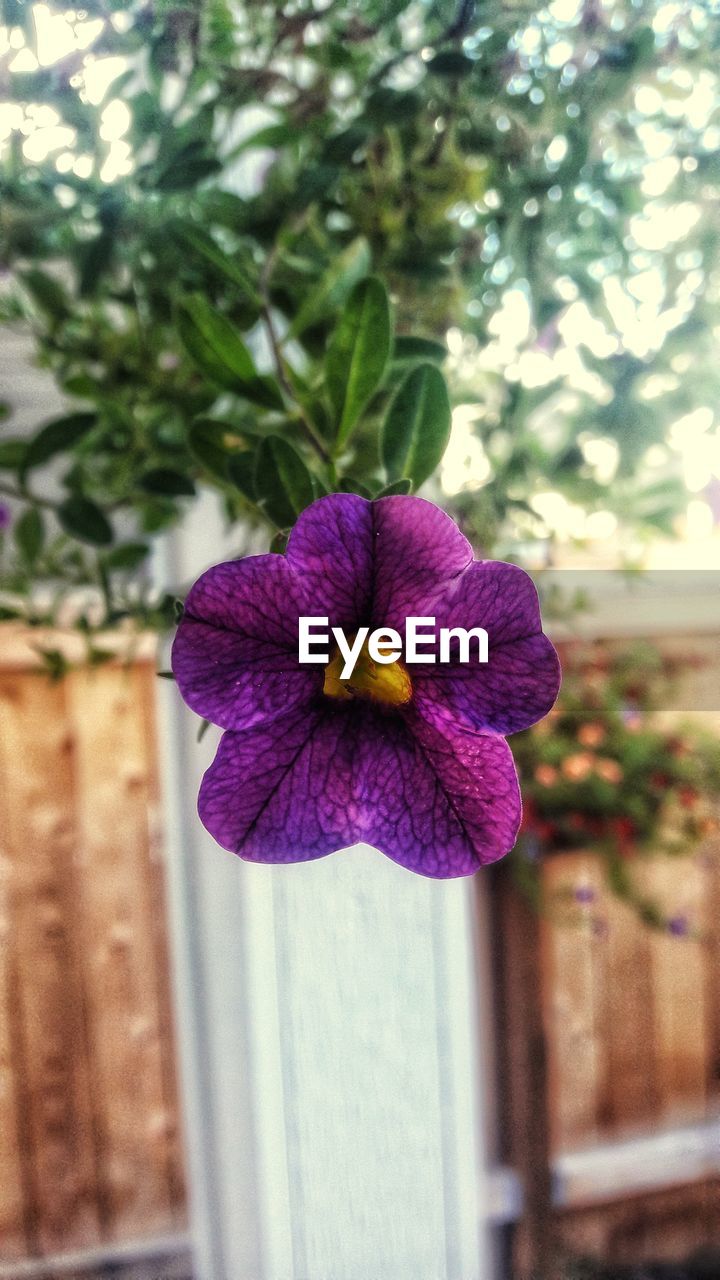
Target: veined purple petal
(318, 781)
(331, 550)
(418, 551)
(519, 683)
(235, 653)
(375, 563)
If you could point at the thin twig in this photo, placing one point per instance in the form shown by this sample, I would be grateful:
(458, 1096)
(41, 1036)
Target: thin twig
(280, 367)
(8, 491)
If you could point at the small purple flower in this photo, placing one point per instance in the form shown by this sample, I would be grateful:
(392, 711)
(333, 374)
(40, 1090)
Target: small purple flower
(584, 894)
(678, 926)
(410, 760)
(5, 517)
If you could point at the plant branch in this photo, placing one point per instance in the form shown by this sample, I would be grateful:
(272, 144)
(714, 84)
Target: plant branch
(9, 491)
(280, 367)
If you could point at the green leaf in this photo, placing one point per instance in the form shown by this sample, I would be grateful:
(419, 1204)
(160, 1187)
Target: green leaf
(393, 107)
(84, 520)
(127, 556)
(171, 483)
(206, 441)
(408, 348)
(283, 483)
(186, 172)
(334, 286)
(417, 427)
(12, 454)
(279, 542)
(57, 436)
(216, 348)
(241, 473)
(358, 353)
(46, 292)
(450, 62)
(397, 486)
(192, 237)
(92, 262)
(54, 662)
(29, 534)
(348, 484)
(272, 135)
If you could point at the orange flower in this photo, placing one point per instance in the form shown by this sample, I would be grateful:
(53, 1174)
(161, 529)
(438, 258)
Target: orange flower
(608, 769)
(591, 735)
(579, 766)
(546, 775)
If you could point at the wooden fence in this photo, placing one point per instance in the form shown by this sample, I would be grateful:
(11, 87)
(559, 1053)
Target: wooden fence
(609, 1047)
(607, 1032)
(90, 1148)
(633, 1014)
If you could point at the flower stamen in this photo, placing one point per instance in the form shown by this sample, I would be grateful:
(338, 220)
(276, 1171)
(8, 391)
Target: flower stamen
(388, 683)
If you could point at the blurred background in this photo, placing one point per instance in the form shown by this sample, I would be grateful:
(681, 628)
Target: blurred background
(210, 1073)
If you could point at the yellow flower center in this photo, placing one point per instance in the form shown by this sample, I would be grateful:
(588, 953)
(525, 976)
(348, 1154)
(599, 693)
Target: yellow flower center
(380, 682)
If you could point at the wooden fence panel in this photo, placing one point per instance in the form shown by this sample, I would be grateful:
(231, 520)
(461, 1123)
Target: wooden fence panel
(52, 1077)
(115, 913)
(679, 978)
(13, 1234)
(630, 1012)
(89, 1131)
(631, 1081)
(574, 972)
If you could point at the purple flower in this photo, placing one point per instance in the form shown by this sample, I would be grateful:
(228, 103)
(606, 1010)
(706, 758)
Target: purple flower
(409, 759)
(584, 894)
(5, 517)
(678, 926)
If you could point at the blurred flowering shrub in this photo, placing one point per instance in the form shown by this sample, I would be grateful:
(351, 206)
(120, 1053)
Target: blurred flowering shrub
(247, 237)
(600, 774)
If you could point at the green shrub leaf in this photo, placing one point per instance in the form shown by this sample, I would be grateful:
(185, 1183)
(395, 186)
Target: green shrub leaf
(283, 483)
(397, 486)
(127, 556)
(211, 340)
(57, 436)
(83, 519)
(334, 286)
(241, 473)
(358, 353)
(417, 427)
(171, 483)
(29, 534)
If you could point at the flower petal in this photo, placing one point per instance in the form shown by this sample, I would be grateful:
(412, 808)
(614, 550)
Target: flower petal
(375, 563)
(418, 551)
(317, 782)
(519, 683)
(331, 550)
(235, 653)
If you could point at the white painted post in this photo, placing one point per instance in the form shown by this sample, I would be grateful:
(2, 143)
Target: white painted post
(329, 1051)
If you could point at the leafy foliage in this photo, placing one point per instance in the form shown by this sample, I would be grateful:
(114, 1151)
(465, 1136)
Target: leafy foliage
(599, 773)
(251, 282)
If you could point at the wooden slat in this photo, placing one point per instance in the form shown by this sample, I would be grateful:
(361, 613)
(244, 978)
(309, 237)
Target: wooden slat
(145, 680)
(14, 1241)
(49, 1046)
(116, 908)
(522, 1063)
(573, 961)
(668, 1224)
(710, 862)
(632, 1100)
(679, 977)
